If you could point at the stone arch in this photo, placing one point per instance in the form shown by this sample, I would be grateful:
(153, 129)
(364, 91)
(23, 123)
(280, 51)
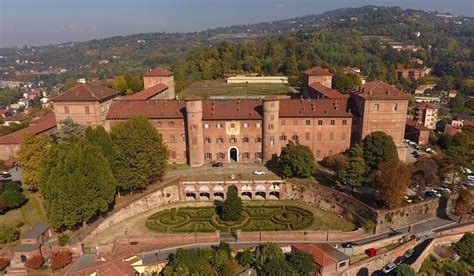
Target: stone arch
(189, 189)
(219, 196)
(246, 188)
(204, 188)
(246, 195)
(218, 188)
(204, 196)
(260, 187)
(260, 195)
(274, 195)
(190, 196)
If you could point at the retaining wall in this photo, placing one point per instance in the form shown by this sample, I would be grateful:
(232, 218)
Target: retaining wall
(313, 236)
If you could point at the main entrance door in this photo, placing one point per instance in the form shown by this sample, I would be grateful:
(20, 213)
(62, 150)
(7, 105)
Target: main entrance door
(233, 155)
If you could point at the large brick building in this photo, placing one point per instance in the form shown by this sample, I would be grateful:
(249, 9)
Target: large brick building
(200, 131)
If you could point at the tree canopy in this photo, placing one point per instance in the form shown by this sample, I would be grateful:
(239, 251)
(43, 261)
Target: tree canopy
(296, 161)
(232, 206)
(392, 180)
(378, 147)
(32, 149)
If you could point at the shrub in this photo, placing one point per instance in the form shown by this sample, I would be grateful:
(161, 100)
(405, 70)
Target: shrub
(4, 263)
(63, 239)
(8, 234)
(368, 225)
(61, 259)
(13, 199)
(34, 262)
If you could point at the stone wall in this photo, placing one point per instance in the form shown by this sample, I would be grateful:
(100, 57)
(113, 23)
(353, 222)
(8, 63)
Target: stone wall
(299, 236)
(359, 249)
(168, 195)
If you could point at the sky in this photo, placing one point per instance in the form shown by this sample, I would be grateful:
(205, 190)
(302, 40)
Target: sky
(43, 22)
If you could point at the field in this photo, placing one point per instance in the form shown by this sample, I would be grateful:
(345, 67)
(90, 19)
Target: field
(257, 216)
(30, 213)
(206, 89)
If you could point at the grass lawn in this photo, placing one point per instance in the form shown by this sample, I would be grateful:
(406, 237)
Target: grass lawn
(206, 89)
(30, 213)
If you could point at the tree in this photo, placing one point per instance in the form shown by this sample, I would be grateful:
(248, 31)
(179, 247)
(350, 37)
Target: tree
(456, 157)
(232, 207)
(405, 270)
(336, 162)
(246, 258)
(68, 132)
(276, 267)
(465, 247)
(69, 83)
(63, 239)
(463, 204)
(101, 138)
(392, 180)
(13, 199)
(76, 183)
(32, 149)
(8, 234)
(267, 252)
(356, 168)
(296, 161)
(61, 259)
(4, 263)
(120, 84)
(34, 262)
(302, 262)
(425, 173)
(141, 156)
(378, 147)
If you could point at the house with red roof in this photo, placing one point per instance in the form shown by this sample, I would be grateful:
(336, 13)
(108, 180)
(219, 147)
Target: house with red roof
(328, 260)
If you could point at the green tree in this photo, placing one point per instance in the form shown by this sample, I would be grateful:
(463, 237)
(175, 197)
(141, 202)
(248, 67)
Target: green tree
(465, 247)
(425, 173)
(354, 172)
(134, 82)
(246, 258)
(63, 239)
(405, 270)
(378, 147)
(277, 267)
(392, 180)
(76, 183)
(232, 207)
(302, 262)
(102, 138)
(296, 161)
(455, 158)
(69, 83)
(120, 84)
(69, 131)
(8, 234)
(267, 252)
(141, 155)
(13, 199)
(32, 149)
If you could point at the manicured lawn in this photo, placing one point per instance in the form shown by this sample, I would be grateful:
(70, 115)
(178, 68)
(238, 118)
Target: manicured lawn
(206, 89)
(30, 213)
(257, 216)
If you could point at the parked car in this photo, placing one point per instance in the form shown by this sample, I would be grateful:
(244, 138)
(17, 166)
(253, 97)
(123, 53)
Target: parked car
(443, 190)
(433, 193)
(389, 267)
(371, 252)
(409, 253)
(412, 143)
(5, 174)
(400, 260)
(217, 164)
(258, 172)
(408, 199)
(428, 150)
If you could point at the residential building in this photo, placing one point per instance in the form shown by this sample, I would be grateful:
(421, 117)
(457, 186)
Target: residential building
(413, 73)
(417, 132)
(328, 260)
(427, 114)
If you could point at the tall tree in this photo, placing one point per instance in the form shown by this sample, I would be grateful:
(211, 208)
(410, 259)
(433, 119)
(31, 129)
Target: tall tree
(296, 161)
(69, 131)
(354, 172)
(405, 270)
(120, 84)
(76, 183)
(392, 180)
(425, 173)
(267, 252)
(378, 147)
(302, 262)
(69, 83)
(32, 149)
(141, 155)
(464, 204)
(232, 207)
(101, 138)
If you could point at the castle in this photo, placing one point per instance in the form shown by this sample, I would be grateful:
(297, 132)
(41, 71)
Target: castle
(199, 131)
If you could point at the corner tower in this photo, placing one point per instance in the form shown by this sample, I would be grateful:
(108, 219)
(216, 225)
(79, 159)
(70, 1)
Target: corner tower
(160, 76)
(271, 143)
(195, 137)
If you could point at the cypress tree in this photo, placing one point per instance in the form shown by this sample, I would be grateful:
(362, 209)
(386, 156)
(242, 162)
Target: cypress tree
(232, 207)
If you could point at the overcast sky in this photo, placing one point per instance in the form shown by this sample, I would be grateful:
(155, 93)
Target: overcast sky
(42, 22)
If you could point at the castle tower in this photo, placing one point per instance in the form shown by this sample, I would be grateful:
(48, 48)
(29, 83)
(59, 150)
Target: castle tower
(195, 137)
(316, 75)
(163, 76)
(271, 143)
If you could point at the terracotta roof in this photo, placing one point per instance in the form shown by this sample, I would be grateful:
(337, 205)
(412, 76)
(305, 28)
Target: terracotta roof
(426, 106)
(379, 90)
(19, 117)
(159, 72)
(153, 109)
(317, 71)
(321, 257)
(232, 109)
(451, 130)
(326, 91)
(87, 92)
(418, 126)
(148, 93)
(36, 127)
(314, 108)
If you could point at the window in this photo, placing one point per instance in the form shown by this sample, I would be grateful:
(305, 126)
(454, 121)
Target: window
(344, 122)
(206, 125)
(207, 140)
(232, 125)
(333, 122)
(343, 136)
(272, 141)
(208, 155)
(173, 155)
(245, 139)
(330, 152)
(194, 127)
(245, 125)
(270, 126)
(283, 137)
(233, 140)
(308, 122)
(102, 107)
(331, 136)
(220, 125)
(158, 124)
(320, 136)
(220, 140)
(294, 137)
(258, 155)
(376, 107)
(66, 109)
(220, 155)
(295, 122)
(172, 139)
(258, 139)
(320, 122)
(283, 122)
(272, 117)
(272, 104)
(194, 141)
(258, 125)
(183, 136)
(306, 135)
(395, 107)
(171, 123)
(318, 153)
(87, 109)
(246, 155)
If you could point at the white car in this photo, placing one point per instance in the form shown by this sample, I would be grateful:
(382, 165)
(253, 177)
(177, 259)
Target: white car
(389, 267)
(470, 177)
(258, 172)
(409, 253)
(428, 150)
(412, 143)
(444, 190)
